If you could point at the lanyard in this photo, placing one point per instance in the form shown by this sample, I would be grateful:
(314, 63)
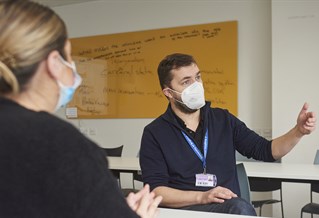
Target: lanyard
(196, 150)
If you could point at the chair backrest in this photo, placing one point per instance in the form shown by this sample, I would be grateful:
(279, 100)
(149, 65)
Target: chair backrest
(264, 185)
(316, 160)
(137, 176)
(114, 152)
(315, 186)
(243, 182)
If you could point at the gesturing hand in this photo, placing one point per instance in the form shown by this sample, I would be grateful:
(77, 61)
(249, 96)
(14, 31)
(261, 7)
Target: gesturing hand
(144, 202)
(306, 121)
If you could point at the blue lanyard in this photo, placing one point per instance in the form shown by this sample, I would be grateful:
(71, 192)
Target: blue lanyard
(196, 150)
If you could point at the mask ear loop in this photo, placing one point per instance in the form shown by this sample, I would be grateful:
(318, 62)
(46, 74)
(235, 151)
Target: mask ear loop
(70, 65)
(77, 77)
(169, 89)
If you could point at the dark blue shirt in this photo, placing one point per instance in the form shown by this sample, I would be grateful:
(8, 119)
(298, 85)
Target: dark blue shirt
(166, 158)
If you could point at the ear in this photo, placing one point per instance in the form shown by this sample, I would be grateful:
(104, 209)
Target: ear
(55, 66)
(167, 93)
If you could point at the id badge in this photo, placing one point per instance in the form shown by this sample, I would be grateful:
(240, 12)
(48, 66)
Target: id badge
(206, 180)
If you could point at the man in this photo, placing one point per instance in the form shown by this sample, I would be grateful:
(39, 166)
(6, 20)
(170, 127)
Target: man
(188, 154)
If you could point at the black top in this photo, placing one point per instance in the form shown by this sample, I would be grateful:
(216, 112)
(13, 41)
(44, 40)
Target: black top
(198, 134)
(167, 160)
(49, 169)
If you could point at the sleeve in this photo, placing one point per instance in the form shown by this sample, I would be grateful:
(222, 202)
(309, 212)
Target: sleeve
(153, 165)
(249, 143)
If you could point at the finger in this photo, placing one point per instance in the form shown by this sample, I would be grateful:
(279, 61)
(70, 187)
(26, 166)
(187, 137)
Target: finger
(152, 195)
(146, 188)
(134, 198)
(144, 204)
(131, 201)
(223, 195)
(142, 192)
(230, 193)
(304, 107)
(218, 194)
(153, 208)
(217, 200)
(227, 191)
(311, 115)
(311, 120)
(310, 124)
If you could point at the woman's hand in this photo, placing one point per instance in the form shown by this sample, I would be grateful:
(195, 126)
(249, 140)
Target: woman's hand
(144, 202)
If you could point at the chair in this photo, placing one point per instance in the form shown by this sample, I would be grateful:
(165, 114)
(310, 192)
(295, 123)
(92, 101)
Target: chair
(243, 182)
(266, 185)
(115, 152)
(312, 208)
(137, 176)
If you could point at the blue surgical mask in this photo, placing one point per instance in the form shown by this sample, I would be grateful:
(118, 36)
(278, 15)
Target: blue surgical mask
(67, 92)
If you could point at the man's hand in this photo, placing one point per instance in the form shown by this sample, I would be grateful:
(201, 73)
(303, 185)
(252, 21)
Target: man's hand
(306, 121)
(217, 195)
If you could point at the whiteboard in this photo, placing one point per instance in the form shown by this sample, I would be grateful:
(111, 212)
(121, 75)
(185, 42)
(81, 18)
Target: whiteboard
(119, 71)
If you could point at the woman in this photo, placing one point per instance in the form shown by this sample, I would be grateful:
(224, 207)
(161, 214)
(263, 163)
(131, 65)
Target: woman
(48, 168)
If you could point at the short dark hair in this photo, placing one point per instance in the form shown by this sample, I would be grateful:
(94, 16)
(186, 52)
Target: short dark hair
(172, 62)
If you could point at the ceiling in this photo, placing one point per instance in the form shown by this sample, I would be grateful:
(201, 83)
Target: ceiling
(54, 3)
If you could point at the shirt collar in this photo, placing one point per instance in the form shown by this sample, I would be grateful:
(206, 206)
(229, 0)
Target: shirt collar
(182, 123)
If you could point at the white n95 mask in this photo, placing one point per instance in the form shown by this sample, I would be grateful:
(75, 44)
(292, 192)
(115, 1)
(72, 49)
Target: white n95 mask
(193, 96)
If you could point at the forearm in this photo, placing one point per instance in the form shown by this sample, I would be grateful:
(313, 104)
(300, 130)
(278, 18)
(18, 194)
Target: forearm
(282, 145)
(177, 198)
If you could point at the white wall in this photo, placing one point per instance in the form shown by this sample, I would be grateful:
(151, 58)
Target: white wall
(295, 79)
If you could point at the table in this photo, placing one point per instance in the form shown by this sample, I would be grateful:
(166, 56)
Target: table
(124, 164)
(286, 172)
(176, 213)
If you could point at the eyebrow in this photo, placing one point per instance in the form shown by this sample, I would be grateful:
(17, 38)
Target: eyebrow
(188, 77)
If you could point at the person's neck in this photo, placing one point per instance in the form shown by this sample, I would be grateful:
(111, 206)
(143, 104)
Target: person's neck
(39, 95)
(191, 120)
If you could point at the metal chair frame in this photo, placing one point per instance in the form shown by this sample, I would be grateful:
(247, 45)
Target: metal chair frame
(312, 208)
(243, 182)
(115, 152)
(266, 185)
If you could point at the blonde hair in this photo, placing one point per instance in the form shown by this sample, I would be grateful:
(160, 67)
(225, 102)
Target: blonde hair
(28, 33)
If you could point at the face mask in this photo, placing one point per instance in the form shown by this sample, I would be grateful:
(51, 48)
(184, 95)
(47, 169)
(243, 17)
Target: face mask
(67, 92)
(193, 96)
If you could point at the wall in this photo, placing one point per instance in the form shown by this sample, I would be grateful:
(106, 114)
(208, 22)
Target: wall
(122, 16)
(295, 65)
(254, 64)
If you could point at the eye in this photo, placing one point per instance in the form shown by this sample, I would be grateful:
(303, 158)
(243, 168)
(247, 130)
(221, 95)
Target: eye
(186, 82)
(198, 77)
